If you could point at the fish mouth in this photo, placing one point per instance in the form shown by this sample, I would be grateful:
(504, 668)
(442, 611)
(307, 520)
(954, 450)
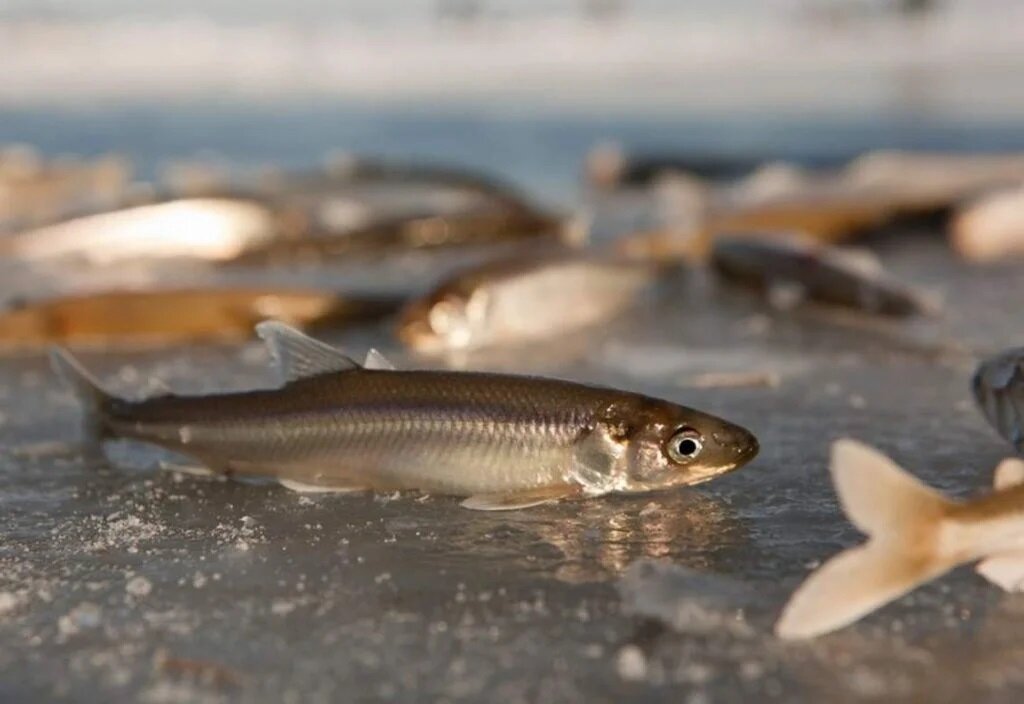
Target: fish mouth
(739, 444)
(748, 452)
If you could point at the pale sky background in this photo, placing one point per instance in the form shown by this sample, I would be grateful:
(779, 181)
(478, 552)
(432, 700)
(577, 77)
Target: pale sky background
(705, 56)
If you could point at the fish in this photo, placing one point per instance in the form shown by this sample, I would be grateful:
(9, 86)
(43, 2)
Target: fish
(349, 168)
(833, 205)
(609, 166)
(998, 388)
(522, 299)
(209, 228)
(818, 272)
(151, 317)
(502, 441)
(933, 181)
(285, 222)
(823, 214)
(420, 231)
(991, 229)
(828, 217)
(915, 534)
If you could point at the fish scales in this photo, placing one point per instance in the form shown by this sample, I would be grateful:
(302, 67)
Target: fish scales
(392, 421)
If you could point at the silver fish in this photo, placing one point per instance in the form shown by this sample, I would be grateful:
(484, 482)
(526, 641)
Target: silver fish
(504, 441)
(523, 299)
(826, 274)
(215, 229)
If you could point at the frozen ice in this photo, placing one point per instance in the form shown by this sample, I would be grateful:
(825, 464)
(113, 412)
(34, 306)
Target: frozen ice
(687, 600)
(667, 597)
(138, 586)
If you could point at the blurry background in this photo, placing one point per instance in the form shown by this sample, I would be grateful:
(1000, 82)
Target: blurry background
(521, 87)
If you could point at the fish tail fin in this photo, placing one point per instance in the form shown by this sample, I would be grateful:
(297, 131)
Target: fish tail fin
(85, 387)
(901, 515)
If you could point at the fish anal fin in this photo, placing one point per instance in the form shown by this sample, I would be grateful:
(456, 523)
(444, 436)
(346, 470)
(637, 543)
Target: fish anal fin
(1009, 473)
(1005, 570)
(196, 470)
(307, 488)
(299, 356)
(375, 360)
(512, 501)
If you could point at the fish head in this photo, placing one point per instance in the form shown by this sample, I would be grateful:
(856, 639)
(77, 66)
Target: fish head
(666, 445)
(449, 319)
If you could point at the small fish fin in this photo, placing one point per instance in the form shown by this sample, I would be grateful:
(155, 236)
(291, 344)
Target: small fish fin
(852, 585)
(194, 470)
(878, 496)
(303, 488)
(1005, 570)
(517, 500)
(1009, 473)
(595, 459)
(299, 356)
(85, 386)
(375, 360)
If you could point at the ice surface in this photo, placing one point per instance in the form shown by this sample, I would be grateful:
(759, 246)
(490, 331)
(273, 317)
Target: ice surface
(258, 594)
(114, 575)
(687, 600)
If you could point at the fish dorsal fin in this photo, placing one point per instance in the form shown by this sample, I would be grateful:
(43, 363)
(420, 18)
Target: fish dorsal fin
(375, 360)
(1010, 472)
(298, 356)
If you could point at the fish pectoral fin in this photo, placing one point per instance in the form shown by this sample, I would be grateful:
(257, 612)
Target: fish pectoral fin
(304, 488)
(515, 500)
(597, 461)
(299, 356)
(1005, 570)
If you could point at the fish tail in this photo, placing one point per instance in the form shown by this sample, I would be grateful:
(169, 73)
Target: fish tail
(86, 389)
(902, 518)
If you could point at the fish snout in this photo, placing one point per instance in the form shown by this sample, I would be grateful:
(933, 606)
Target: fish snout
(737, 443)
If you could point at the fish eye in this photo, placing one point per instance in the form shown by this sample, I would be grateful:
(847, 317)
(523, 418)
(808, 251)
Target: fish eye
(684, 446)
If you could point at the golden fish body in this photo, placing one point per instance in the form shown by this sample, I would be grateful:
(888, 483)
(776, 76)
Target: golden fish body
(175, 315)
(215, 229)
